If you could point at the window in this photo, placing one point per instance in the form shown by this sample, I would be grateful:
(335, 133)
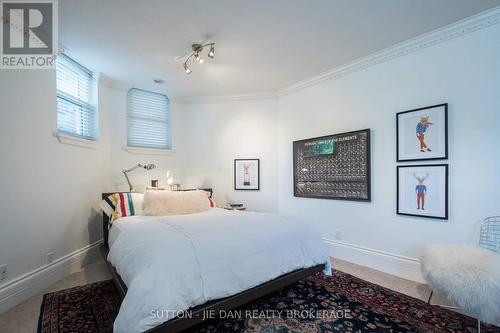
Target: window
(148, 120)
(76, 114)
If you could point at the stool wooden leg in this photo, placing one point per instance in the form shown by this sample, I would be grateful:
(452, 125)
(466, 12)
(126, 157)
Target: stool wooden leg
(430, 296)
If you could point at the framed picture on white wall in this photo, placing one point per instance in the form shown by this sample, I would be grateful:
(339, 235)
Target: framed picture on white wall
(422, 134)
(422, 190)
(246, 174)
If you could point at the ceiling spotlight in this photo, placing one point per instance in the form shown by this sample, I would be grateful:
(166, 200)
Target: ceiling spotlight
(159, 81)
(196, 54)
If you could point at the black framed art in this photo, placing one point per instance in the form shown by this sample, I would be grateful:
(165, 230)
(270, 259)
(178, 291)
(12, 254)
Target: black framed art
(422, 190)
(247, 174)
(333, 167)
(422, 134)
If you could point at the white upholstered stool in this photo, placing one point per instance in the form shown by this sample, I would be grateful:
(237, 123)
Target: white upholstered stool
(468, 275)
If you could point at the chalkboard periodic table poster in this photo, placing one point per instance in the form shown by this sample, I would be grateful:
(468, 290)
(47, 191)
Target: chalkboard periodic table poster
(333, 167)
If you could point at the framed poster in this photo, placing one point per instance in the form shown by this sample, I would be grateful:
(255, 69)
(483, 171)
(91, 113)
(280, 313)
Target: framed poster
(422, 134)
(246, 174)
(422, 190)
(333, 167)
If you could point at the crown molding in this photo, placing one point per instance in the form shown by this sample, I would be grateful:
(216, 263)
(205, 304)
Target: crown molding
(126, 86)
(105, 80)
(458, 29)
(455, 30)
(432, 38)
(119, 85)
(226, 98)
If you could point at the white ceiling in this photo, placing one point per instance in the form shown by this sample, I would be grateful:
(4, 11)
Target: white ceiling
(262, 45)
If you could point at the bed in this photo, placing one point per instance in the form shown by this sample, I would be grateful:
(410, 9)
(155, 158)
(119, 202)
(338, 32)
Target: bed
(173, 270)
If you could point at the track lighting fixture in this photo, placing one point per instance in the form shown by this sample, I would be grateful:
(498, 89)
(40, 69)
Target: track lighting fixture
(196, 54)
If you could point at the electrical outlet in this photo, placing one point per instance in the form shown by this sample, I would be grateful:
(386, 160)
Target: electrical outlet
(49, 257)
(338, 235)
(3, 272)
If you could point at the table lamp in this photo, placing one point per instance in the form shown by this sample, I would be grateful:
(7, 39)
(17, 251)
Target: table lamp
(138, 166)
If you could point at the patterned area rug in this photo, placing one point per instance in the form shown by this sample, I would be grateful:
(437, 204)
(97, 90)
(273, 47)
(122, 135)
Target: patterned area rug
(340, 303)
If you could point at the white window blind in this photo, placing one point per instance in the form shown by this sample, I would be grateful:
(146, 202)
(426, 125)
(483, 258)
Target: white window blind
(76, 114)
(148, 120)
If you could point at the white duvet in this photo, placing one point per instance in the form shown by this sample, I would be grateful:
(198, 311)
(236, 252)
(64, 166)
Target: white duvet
(173, 263)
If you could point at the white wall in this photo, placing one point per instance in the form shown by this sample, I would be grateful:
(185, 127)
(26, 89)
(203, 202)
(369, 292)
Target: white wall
(463, 72)
(221, 132)
(49, 192)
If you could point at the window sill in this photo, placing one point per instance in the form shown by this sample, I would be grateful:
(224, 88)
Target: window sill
(74, 141)
(148, 151)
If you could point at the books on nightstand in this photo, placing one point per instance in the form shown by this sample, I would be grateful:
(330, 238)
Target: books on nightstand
(235, 206)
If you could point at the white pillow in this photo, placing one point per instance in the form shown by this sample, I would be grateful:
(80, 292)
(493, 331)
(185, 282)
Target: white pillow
(161, 203)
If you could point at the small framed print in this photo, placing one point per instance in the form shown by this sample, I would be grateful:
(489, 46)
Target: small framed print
(422, 134)
(422, 190)
(246, 174)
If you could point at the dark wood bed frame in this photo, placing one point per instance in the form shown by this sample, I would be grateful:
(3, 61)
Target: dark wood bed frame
(214, 307)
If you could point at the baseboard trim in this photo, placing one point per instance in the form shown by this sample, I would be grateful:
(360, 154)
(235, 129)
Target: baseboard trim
(391, 263)
(29, 284)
